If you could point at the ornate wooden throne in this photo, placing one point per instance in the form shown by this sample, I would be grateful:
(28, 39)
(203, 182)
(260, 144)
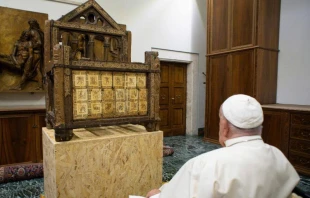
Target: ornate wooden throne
(89, 77)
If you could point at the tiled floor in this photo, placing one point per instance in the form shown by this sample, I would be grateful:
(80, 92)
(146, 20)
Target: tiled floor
(22, 189)
(187, 147)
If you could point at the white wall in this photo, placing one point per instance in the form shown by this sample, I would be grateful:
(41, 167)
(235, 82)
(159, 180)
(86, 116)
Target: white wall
(54, 10)
(294, 56)
(199, 28)
(177, 25)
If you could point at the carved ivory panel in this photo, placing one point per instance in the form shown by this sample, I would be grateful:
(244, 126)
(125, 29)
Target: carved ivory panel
(108, 94)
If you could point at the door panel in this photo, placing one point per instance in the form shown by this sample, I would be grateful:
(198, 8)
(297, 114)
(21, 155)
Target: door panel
(243, 17)
(164, 74)
(275, 121)
(177, 117)
(179, 96)
(164, 96)
(17, 139)
(219, 25)
(178, 74)
(173, 98)
(219, 90)
(164, 115)
(242, 72)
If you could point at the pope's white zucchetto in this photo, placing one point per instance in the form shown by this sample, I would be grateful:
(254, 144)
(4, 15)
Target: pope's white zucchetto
(243, 111)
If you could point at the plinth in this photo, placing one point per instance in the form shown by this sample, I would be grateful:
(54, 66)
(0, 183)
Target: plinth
(109, 162)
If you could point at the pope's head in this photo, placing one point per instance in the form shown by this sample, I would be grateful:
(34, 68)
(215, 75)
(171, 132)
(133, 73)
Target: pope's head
(240, 115)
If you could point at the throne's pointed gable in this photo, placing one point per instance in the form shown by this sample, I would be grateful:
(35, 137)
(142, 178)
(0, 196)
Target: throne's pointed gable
(91, 13)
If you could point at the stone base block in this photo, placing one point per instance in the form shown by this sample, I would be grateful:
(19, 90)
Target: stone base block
(108, 162)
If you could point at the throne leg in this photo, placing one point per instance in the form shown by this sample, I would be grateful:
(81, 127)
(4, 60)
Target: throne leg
(62, 135)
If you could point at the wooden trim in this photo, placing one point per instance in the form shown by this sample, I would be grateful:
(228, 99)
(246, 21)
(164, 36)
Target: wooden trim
(68, 95)
(230, 51)
(73, 67)
(287, 107)
(104, 122)
(242, 49)
(59, 102)
(89, 28)
(270, 49)
(115, 66)
(47, 50)
(129, 43)
(255, 62)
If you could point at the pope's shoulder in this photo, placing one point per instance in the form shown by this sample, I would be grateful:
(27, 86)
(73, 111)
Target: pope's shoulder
(228, 153)
(214, 154)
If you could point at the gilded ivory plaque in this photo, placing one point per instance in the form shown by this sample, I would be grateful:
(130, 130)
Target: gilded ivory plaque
(99, 94)
(106, 79)
(131, 80)
(141, 80)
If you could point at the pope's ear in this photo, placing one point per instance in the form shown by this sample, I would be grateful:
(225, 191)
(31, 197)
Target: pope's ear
(226, 128)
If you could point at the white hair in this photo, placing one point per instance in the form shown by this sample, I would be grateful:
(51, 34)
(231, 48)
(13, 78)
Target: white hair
(252, 131)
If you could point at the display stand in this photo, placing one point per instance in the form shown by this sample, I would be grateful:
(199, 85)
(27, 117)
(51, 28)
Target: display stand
(113, 161)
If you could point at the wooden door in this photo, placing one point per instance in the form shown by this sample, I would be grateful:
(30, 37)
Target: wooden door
(17, 139)
(173, 98)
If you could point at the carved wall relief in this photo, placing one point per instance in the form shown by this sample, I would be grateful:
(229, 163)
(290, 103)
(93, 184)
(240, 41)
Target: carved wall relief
(21, 50)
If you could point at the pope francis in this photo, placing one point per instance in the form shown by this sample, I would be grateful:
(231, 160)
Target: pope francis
(245, 167)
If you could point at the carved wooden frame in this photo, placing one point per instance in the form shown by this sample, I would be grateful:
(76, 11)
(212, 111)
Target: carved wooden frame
(59, 68)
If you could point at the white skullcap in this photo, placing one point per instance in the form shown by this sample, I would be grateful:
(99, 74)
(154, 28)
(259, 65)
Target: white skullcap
(243, 111)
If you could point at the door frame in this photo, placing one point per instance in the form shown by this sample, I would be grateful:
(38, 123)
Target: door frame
(192, 85)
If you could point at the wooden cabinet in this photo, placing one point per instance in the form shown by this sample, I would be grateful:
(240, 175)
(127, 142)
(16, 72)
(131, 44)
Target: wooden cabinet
(276, 129)
(242, 54)
(288, 128)
(20, 134)
(237, 24)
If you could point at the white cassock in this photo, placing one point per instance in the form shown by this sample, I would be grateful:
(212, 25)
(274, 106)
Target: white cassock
(245, 168)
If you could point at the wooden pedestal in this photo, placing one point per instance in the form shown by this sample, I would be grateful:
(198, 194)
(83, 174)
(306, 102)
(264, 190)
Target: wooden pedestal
(114, 161)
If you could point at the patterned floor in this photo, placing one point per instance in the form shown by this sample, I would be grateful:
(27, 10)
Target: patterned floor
(185, 147)
(22, 189)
